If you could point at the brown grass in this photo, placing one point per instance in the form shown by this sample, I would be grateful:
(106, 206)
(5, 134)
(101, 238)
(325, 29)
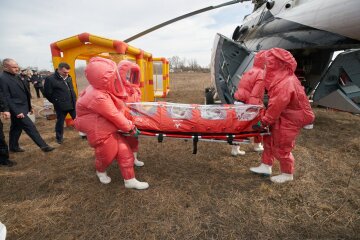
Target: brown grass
(210, 195)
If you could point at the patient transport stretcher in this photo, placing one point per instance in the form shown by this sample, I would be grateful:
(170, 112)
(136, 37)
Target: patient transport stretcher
(219, 123)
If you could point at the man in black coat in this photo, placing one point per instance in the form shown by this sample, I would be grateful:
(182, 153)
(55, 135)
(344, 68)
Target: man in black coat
(37, 80)
(59, 91)
(4, 150)
(18, 98)
(26, 79)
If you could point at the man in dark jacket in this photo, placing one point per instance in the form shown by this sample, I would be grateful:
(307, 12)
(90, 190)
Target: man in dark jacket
(59, 91)
(4, 150)
(26, 79)
(37, 80)
(18, 98)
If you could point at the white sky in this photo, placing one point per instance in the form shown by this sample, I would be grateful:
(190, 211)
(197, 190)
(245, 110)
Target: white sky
(27, 27)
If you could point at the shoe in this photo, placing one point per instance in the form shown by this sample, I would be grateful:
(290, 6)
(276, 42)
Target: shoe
(47, 149)
(235, 151)
(19, 149)
(263, 169)
(59, 141)
(2, 231)
(258, 147)
(82, 135)
(133, 183)
(137, 162)
(103, 177)
(284, 177)
(7, 163)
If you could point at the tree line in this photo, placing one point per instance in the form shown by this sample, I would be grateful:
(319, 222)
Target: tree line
(178, 64)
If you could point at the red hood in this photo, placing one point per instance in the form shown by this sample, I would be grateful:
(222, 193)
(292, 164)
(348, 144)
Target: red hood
(102, 74)
(129, 73)
(279, 64)
(259, 60)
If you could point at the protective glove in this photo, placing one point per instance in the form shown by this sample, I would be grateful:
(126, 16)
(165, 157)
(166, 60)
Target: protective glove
(135, 132)
(258, 126)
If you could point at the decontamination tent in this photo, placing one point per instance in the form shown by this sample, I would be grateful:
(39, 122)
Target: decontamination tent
(85, 46)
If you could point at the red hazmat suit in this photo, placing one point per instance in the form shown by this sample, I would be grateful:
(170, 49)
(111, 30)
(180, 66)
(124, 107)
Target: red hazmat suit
(101, 114)
(130, 78)
(288, 109)
(251, 86)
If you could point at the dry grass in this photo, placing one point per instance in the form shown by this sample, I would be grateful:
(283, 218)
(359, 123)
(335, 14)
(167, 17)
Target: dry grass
(210, 195)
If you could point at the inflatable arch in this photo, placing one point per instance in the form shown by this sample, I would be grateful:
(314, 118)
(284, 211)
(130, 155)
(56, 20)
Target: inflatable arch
(85, 46)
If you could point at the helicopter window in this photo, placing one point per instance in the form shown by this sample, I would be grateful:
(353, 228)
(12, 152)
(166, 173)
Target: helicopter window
(344, 79)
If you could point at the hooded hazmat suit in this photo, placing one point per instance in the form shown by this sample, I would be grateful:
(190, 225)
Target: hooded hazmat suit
(101, 114)
(288, 109)
(130, 77)
(251, 86)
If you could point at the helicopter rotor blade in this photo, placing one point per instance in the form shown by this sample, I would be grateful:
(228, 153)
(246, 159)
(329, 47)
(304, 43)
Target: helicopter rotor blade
(180, 18)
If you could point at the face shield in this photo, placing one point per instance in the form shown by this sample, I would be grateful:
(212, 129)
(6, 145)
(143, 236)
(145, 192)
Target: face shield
(134, 75)
(118, 87)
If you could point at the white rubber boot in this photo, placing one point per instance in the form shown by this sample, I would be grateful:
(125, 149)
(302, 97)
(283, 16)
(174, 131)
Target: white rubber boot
(133, 183)
(2, 231)
(235, 150)
(284, 177)
(137, 162)
(262, 169)
(258, 147)
(103, 177)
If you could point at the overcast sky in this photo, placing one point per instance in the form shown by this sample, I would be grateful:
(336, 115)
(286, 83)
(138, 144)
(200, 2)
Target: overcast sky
(27, 27)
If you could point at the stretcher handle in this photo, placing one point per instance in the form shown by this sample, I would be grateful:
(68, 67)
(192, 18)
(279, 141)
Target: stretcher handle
(195, 142)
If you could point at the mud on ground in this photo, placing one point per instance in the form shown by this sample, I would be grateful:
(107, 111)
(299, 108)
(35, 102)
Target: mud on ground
(210, 195)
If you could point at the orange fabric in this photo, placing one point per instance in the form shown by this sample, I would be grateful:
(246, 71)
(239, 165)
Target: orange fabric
(251, 86)
(101, 114)
(288, 108)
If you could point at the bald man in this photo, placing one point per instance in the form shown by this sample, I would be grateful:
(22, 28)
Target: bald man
(17, 96)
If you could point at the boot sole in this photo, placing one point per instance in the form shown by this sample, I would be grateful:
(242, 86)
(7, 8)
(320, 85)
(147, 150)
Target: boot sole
(261, 174)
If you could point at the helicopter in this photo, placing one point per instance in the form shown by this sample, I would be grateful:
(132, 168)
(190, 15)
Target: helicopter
(312, 30)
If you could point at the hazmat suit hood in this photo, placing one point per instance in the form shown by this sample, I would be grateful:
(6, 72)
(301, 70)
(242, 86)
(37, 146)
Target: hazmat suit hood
(279, 64)
(259, 60)
(129, 73)
(102, 74)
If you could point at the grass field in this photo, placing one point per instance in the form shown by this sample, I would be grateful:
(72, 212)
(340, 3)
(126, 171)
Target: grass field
(210, 195)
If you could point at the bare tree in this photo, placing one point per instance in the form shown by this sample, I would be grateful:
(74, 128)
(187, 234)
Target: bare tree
(193, 65)
(174, 62)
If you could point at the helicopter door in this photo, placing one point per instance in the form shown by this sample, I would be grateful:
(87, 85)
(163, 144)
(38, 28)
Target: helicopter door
(339, 87)
(229, 61)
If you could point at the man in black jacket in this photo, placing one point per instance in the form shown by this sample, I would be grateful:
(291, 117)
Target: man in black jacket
(59, 91)
(4, 150)
(37, 80)
(18, 98)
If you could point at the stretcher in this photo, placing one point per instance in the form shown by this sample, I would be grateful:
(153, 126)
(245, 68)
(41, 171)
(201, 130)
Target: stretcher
(218, 123)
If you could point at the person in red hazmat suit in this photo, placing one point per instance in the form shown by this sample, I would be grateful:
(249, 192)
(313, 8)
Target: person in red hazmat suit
(101, 115)
(288, 111)
(130, 77)
(251, 91)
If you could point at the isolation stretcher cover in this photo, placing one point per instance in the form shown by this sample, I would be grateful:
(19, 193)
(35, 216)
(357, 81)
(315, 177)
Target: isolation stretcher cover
(167, 117)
